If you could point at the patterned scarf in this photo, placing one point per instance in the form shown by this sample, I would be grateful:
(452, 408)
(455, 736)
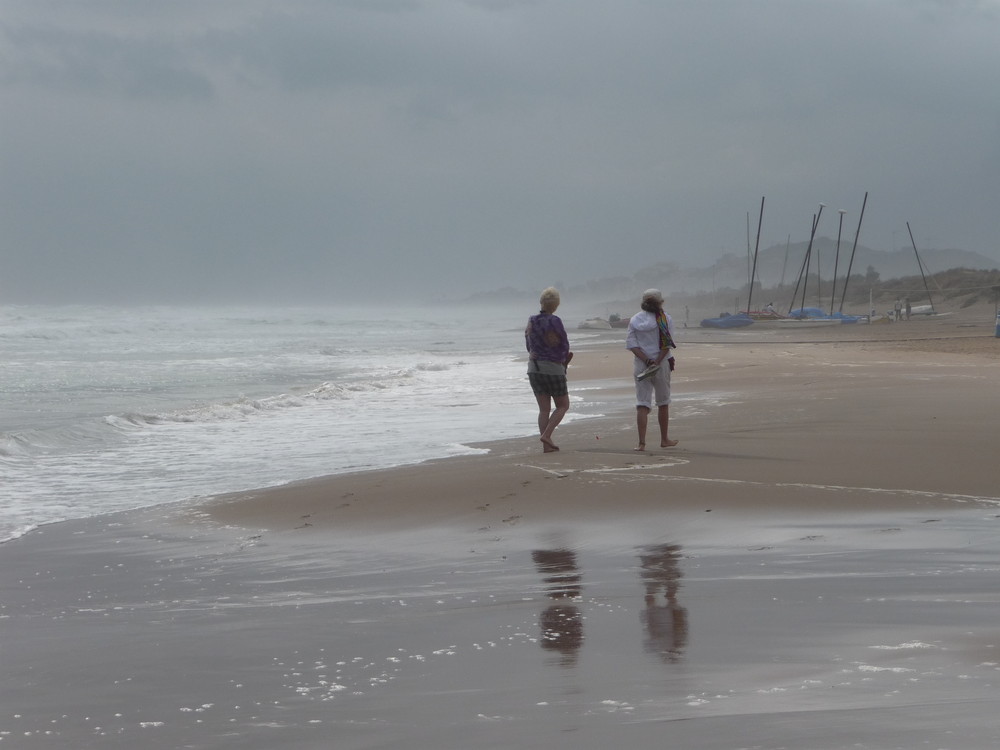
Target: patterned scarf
(666, 342)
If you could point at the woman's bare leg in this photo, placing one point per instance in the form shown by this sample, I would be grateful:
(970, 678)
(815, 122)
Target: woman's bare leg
(663, 416)
(544, 407)
(548, 425)
(641, 420)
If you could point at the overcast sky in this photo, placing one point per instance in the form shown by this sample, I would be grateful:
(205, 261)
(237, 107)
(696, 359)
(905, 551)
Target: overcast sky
(331, 149)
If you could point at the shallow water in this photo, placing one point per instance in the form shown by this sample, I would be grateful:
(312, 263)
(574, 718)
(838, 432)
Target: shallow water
(103, 409)
(548, 639)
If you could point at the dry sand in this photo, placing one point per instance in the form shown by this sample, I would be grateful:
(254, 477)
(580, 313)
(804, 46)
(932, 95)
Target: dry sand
(814, 566)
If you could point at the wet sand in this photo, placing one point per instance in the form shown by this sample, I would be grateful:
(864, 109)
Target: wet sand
(814, 566)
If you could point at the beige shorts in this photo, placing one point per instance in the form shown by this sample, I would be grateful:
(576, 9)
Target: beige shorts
(657, 386)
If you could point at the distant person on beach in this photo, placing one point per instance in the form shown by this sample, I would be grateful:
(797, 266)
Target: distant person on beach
(650, 338)
(898, 309)
(548, 357)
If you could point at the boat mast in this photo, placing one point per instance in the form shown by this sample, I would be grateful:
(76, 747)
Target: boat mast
(836, 261)
(788, 243)
(850, 265)
(798, 281)
(921, 266)
(812, 236)
(753, 273)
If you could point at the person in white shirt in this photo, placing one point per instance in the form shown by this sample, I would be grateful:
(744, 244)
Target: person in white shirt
(650, 338)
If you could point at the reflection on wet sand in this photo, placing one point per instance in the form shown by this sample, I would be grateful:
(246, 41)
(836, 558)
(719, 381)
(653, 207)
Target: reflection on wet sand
(562, 622)
(664, 620)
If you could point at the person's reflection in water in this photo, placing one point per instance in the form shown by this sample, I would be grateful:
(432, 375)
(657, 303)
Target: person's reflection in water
(561, 623)
(664, 620)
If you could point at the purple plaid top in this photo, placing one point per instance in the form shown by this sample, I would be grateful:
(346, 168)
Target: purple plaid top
(545, 338)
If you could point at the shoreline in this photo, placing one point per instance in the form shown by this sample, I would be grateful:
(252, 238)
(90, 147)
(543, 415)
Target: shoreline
(707, 373)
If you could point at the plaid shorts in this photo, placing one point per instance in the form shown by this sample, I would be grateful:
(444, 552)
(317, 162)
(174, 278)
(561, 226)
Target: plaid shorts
(548, 385)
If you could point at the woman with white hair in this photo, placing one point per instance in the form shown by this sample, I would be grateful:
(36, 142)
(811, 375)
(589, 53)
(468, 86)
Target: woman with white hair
(650, 338)
(548, 356)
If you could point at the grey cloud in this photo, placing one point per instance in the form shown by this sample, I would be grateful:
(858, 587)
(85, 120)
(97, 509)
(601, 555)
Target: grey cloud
(100, 63)
(250, 144)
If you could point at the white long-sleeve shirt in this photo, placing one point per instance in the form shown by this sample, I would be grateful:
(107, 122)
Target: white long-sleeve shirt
(643, 332)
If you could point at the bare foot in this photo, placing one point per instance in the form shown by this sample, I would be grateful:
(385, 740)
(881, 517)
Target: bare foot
(668, 443)
(642, 447)
(548, 445)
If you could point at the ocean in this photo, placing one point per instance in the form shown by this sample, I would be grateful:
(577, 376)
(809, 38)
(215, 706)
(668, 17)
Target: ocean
(105, 409)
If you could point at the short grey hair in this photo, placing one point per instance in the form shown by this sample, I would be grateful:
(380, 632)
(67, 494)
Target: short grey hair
(549, 299)
(652, 301)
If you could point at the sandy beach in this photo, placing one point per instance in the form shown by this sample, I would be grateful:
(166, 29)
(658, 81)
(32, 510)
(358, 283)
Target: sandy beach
(813, 566)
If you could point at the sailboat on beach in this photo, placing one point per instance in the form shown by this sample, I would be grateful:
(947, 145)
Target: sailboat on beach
(769, 317)
(803, 316)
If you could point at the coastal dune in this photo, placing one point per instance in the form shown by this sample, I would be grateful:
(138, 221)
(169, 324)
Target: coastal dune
(813, 565)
